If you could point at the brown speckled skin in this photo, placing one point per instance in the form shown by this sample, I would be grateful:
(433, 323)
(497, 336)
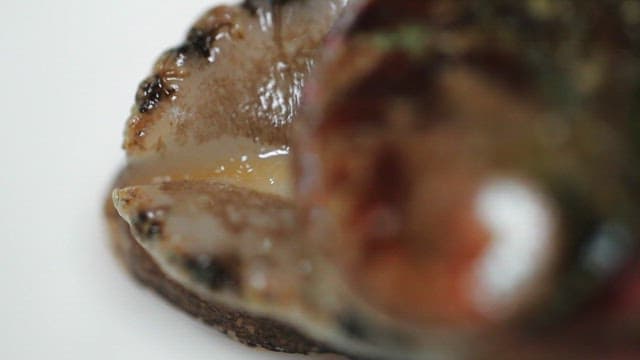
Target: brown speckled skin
(236, 74)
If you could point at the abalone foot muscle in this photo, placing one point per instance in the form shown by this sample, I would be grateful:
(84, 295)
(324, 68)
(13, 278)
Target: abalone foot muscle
(212, 122)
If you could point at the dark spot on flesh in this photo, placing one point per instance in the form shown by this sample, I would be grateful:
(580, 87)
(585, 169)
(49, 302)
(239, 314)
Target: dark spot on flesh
(182, 51)
(151, 92)
(201, 41)
(216, 272)
(148, 224)
(353, 326)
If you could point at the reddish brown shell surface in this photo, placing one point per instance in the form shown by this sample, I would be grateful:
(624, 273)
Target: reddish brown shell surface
(419, 106)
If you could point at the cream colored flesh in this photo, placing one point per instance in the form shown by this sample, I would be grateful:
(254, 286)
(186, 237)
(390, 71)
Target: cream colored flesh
(237, 161)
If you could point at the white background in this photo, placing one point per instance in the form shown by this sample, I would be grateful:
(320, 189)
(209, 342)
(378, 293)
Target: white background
(68, 74)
